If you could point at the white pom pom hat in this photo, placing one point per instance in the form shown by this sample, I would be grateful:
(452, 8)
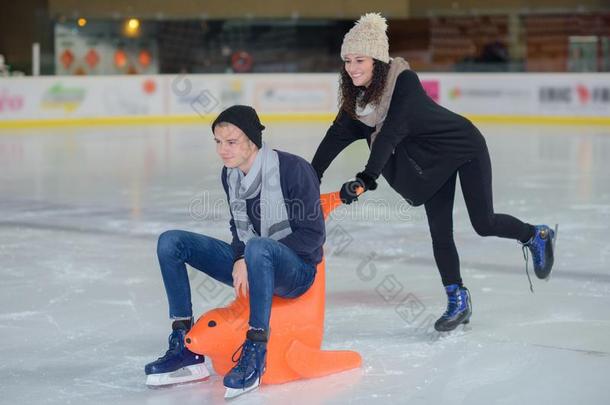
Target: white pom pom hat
(368, 38)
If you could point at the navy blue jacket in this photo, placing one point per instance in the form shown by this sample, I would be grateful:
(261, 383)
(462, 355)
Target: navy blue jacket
(301, 189)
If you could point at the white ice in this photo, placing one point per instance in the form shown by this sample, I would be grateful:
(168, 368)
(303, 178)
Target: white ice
(82, 304)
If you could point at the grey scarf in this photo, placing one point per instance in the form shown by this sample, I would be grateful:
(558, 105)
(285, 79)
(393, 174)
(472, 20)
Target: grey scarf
(263, 178)
(375, 115)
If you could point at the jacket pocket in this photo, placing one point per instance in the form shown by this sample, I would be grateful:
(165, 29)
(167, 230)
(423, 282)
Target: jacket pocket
(415, 165)
(405, 155)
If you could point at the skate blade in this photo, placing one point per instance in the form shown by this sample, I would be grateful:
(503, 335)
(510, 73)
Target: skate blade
(464, 325)
(196, 372)
(459, 330)
(235, 392)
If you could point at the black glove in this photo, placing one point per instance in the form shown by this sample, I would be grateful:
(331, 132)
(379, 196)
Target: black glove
(349, 192)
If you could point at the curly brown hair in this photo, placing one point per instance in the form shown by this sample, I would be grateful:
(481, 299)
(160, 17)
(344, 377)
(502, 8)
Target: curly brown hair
(349, 94)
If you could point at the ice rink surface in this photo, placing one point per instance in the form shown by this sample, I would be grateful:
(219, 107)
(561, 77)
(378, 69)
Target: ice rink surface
(82, 304)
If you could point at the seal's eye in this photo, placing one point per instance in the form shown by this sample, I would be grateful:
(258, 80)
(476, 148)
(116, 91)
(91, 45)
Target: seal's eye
(211, 324)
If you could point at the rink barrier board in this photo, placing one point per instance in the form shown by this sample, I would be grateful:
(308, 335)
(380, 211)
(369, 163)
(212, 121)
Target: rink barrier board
(284, 118)
(513, 98)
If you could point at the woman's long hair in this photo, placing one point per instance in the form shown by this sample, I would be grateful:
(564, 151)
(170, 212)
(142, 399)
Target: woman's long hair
(350, 95)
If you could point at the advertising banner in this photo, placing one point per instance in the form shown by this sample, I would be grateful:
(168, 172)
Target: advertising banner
(495, 94)
(80, 97)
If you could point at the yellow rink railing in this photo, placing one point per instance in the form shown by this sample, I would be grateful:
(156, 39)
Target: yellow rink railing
(283, 118)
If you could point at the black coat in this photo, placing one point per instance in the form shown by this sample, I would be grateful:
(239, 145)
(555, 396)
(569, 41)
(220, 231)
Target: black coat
(420, 145)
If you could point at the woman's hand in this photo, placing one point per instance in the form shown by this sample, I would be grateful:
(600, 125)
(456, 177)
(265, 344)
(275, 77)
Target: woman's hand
(240, 277)
(353, 188)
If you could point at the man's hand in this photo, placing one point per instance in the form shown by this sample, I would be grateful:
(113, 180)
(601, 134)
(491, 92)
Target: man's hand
(240, 277)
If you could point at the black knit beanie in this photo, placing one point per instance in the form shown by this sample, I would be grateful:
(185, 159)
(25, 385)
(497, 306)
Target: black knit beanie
(245, 118)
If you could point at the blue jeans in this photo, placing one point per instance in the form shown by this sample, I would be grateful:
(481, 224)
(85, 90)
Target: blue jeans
(273, 268)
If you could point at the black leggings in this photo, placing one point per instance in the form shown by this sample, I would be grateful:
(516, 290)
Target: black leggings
(475, 179)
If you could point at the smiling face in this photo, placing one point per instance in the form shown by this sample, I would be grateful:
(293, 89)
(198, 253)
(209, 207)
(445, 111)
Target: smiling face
(234, 147)
(359, 68)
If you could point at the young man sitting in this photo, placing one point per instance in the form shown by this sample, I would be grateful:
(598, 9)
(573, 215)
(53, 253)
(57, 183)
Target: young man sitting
(278, 232)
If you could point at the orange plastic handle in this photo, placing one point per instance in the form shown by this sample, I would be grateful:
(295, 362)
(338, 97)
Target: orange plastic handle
(330, 201)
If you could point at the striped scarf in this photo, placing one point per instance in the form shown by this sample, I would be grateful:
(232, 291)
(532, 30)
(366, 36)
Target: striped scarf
(263, 178)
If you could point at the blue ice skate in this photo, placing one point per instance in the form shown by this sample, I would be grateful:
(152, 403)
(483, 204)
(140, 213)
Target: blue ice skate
(178, 365)
(248, 372)
(542, 247)
(459, 309)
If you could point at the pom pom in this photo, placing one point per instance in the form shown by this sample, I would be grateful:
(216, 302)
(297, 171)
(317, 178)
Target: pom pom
(374, 21)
